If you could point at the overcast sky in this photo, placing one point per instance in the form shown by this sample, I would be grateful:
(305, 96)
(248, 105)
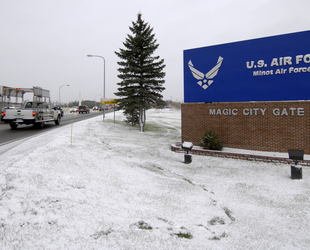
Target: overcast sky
(45, 42)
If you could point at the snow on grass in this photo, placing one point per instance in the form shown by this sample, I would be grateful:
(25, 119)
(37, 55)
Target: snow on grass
(118, 188)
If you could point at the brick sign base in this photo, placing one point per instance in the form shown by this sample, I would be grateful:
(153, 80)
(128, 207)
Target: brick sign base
(262, 126)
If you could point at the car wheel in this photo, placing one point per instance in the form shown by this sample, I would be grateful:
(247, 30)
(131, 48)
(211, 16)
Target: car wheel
(13, 125)
(38, 125)
(58, 120)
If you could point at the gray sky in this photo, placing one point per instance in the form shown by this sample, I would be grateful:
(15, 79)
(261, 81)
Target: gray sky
(45, 42)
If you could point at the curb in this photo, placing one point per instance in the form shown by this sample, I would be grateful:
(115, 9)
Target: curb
(241, 156)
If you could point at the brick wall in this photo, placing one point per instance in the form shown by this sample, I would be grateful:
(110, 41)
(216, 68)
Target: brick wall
(262, 126)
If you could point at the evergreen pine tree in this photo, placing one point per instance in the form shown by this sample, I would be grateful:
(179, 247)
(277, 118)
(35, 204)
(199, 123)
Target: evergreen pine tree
(141, 73)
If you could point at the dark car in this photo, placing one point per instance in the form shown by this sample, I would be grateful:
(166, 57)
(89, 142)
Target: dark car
(60, 109)
(83, 109)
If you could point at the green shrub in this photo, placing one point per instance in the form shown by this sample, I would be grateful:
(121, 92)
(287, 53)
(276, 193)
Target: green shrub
(211, 140)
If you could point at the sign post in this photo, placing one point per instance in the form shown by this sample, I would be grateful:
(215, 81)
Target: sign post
(109, 101)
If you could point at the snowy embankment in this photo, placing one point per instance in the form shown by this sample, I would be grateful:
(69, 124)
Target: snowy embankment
(118, 188)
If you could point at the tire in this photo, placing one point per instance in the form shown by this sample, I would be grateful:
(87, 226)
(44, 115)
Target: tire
(57, 121)
(13, 125)
(38, 124)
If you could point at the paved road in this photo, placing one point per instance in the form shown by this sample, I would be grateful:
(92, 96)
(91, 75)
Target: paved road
(7, 135)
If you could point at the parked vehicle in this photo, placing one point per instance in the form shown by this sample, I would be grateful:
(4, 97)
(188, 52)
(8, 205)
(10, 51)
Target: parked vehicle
(35, 112)
(74, 109)
(83, 109)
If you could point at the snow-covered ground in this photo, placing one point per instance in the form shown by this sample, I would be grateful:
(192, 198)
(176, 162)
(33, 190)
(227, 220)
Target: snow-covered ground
(109, 186)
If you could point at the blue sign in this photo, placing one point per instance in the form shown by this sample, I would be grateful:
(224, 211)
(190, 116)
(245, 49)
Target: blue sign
(266, 69)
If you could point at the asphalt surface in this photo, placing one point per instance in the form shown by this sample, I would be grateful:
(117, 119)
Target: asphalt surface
(7, 135)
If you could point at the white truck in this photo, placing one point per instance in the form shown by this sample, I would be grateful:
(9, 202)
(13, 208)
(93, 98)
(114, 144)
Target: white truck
(35, 112)
(9, 98)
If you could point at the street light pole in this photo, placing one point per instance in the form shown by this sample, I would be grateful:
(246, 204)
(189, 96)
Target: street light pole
(103, 78)
(59, 91)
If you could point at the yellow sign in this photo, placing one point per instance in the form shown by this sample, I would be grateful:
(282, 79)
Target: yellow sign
(109, 101)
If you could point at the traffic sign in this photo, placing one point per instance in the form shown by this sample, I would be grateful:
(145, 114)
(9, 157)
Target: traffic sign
(109, 101)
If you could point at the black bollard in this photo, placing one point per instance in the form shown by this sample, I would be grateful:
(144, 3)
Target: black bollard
(187, 146)
(187, 158)
(296, 172)
(296, 155)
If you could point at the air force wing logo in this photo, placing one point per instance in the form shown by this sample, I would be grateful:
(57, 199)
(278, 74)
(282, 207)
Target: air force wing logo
(205, 80)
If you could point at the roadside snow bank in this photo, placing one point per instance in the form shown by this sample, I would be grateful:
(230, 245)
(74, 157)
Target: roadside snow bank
(118, 188)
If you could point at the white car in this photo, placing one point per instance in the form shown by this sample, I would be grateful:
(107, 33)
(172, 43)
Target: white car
(74, 109)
